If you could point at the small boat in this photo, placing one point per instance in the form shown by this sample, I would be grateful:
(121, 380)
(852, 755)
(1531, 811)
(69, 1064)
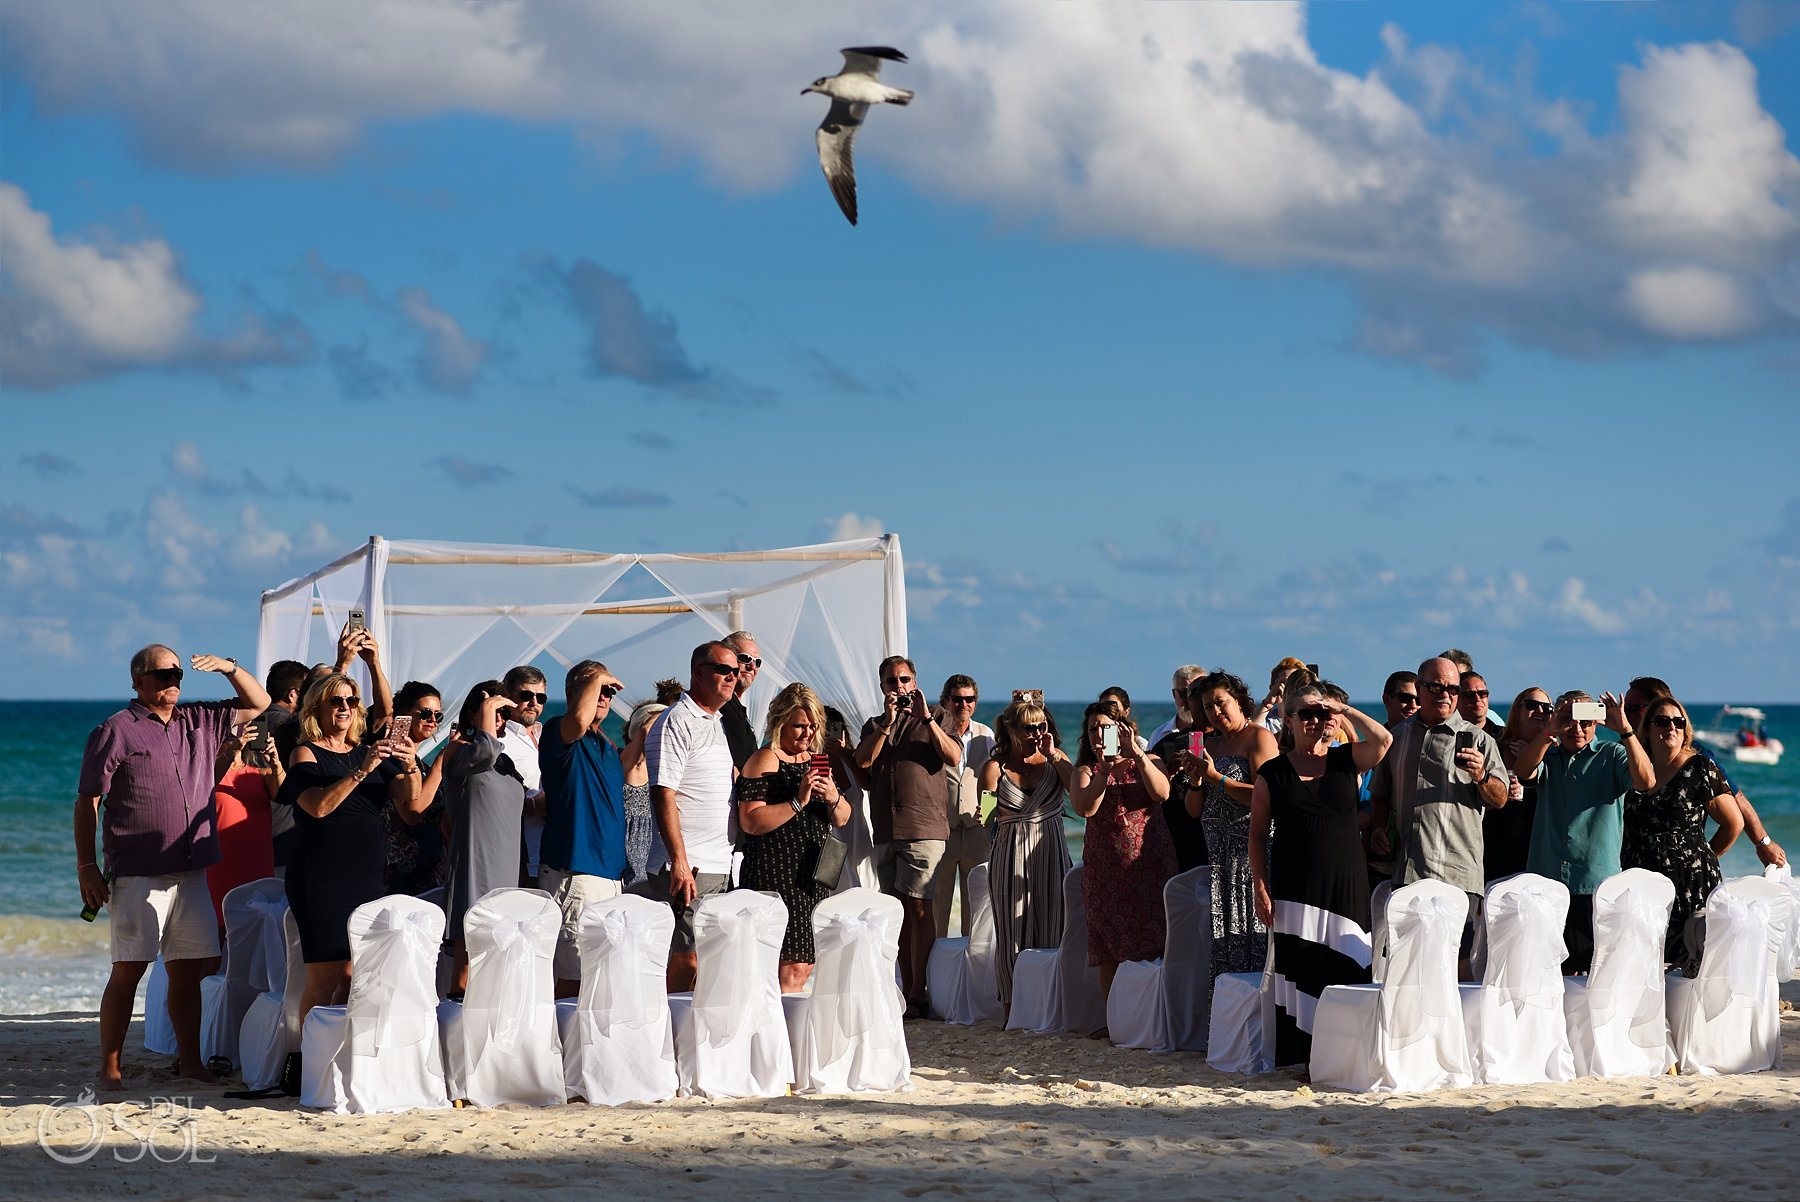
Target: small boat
(1739, 732)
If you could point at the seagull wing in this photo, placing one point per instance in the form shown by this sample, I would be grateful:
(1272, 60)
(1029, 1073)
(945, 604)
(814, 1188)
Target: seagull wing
(836, 137)
(866, 60)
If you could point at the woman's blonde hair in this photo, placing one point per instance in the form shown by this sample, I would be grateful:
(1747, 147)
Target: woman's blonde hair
(1020, 713)
(795, 697)
(1515, 713)
(1687, 736)
(311, 730)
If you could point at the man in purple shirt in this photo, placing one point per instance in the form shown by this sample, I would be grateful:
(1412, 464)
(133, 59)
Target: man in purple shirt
(151, 766)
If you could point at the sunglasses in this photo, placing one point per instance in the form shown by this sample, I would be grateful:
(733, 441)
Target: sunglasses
(962, 701)
(898, 680)
(749, 662)
(1404, 698)
(527, 697)
(432, 716)
(721, 669)
(1537, 707)
(1669, 722)
(1439, 689)
(1638, 708)
(608, 691)
(164, 676)
(1478, 694)
(343, 703)
(1034, 729)
(1312, 713)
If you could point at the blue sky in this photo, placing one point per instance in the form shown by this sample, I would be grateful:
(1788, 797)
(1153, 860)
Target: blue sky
(1170, 333)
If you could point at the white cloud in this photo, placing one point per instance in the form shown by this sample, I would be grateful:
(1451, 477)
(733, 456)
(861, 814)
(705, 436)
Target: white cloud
(73, 310)
(848, 526)
(1209, 128)
(187, 461)
(451, 359)
(1691, 302)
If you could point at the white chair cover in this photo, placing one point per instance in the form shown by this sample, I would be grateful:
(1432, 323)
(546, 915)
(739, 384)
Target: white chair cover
(850, 1027)
(271, 1027)
(731, 1040)
(1140, 1010)
(159, 1028)
(947, 975)
(500, 1041)
(1042, 991)
(380, 1052)
(1406, 1034)
(618, 1044)
(1378, 901)
(1615, 1014)
(974, 995)
(1728, 1019)
(1234, 1041)
(1787, 961)
(1517, 1030)
(255, 963)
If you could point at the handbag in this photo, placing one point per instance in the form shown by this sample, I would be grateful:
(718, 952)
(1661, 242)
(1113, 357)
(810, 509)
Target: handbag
(828, 867)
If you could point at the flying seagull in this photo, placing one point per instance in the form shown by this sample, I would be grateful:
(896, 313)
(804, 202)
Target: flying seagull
(852, 91)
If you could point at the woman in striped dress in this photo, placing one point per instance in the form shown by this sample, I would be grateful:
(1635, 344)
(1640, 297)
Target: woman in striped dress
(1028, 774)
(1312, 886)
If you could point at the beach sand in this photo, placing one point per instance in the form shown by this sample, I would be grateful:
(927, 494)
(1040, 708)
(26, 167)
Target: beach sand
(994, 1114)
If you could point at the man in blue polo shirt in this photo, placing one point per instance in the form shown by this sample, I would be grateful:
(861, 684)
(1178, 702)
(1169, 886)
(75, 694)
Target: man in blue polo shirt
(1581, 787)
(582, 857)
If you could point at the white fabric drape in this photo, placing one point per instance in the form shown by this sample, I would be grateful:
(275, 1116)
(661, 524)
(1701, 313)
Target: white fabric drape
(618, 1044)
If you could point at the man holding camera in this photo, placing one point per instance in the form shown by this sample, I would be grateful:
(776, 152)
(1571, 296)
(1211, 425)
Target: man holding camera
(908, 751)
(1581, 787)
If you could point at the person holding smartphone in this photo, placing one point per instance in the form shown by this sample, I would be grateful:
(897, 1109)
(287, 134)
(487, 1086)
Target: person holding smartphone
(1029, 776)
(1127, 853)
(788, 802)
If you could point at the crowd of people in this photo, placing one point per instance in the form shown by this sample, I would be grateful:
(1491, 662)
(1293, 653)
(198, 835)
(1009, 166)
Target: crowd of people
(1299, 803)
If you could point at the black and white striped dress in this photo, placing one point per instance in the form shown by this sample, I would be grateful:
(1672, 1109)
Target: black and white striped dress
(1320, 886)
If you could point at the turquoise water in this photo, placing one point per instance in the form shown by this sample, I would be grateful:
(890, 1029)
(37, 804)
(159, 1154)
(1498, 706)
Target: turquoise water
(51, 960)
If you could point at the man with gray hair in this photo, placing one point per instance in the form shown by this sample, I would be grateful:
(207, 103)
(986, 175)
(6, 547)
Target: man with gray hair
(734, 717)
(1580, 822)
(1184, 719)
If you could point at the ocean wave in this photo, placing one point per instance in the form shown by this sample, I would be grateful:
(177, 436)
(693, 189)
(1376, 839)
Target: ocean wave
(28, 935)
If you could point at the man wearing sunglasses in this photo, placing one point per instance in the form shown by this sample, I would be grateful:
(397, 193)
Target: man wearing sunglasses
(907, 752)
(966, 844)
(1472, 704)
(527, 689)
(1580, 823)
(147, 786)
(733, 715)
(1439, 778)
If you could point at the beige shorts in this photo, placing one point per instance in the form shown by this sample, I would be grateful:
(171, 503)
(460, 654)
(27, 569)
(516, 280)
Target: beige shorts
(908, 867)
(171, 914)
(573, 891)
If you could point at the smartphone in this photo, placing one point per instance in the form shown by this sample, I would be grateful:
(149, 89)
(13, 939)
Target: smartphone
(399, 727)
(1109, 740)
(1196, 744)
(358, 620)
(821, 764)
(1465, 740)
(1587, 711)
(1032, 696)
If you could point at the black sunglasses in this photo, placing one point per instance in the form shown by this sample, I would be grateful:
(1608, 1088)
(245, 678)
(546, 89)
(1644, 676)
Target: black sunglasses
(167, 676)
(1034, 728)
(1537, 707)
(428, 715)
(962, 700)
(898, 680)
(721, 669)
(1312, 713)
(526, 697)
(1669, 722)
(1439, 689)
(1476, 693)
(608, 691)
(1404, 698)
(748, 661)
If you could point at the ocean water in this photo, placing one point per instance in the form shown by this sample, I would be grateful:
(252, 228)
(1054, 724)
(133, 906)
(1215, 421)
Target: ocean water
(51, 960)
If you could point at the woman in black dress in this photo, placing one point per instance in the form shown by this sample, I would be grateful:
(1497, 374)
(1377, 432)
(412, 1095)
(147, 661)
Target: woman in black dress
(1665, 829)
(340, 787)
(1311, 878)
(786, 811)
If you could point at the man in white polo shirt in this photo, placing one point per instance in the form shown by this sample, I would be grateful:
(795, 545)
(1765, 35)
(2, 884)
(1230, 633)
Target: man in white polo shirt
(690, 793)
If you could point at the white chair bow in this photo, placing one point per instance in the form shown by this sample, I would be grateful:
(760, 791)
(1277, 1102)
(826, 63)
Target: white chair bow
(853, 988)
(389, 1006)
(1526, 948)
(500, 1041)
(718, 1012)
(1515, 1017)
(510, 959)
(618, 1044)
(1420, 992)
(622, 942)
(1727, 1020)
(731, 1036)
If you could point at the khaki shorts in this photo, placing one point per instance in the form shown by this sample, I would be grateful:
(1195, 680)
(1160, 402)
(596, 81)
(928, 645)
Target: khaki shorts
(706, 884)
(573, 891)
(908, 867)
(171, 914)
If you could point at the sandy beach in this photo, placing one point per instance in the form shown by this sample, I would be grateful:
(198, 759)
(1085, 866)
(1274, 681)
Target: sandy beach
(993, 1114)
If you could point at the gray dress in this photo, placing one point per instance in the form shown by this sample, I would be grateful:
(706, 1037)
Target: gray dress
(486, 803)
(1028, 859)
(1240, 941)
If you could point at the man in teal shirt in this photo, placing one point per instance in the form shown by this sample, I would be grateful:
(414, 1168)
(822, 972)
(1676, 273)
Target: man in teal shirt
(1581, 787)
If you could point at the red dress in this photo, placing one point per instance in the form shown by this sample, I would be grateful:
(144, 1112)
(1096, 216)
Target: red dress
(1128, 856)
(246, 849)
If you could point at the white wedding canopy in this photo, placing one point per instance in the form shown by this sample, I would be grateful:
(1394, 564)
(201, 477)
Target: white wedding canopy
(454, 614)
